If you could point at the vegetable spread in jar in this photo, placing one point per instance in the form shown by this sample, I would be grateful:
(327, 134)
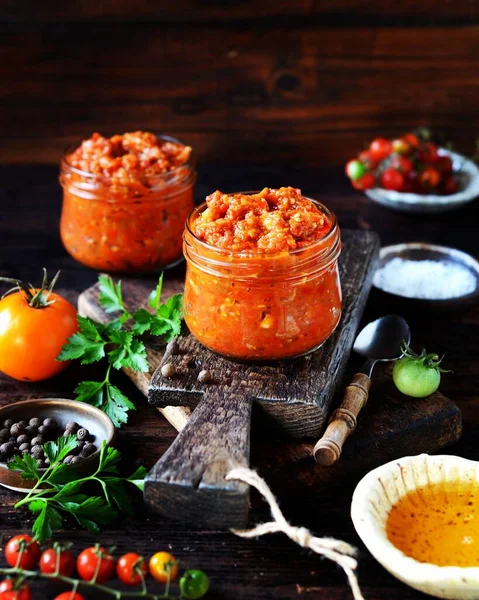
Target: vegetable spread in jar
(262, 279)
(125, 201)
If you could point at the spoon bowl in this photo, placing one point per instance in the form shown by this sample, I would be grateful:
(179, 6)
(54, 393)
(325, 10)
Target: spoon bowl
(382, 339)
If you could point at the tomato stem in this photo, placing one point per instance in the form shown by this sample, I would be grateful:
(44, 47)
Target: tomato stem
(35, 298)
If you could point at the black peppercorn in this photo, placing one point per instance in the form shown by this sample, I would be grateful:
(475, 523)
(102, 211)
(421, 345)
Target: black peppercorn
(7, 449)
(4, 434)
(83, 434)
(23, 423)
(38, 441)
(21, 439)
(72, 426)
(37, 451)
(31, 430)
(8, 423)
(45, 431)
(40, 463)
(17, 429)
(24, 447)
(50, 422)
(35, 422)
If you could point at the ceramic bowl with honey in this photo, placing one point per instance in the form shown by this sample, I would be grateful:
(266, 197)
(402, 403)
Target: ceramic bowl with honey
(419, 518)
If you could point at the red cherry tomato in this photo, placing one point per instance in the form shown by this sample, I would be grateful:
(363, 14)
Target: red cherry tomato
(87, 564)
(428, 153)
(367, 160)
(401, 163)
(380, 148)
(24, 545)
(8, 593)
(430, 178)
(400, 146)
(355, 169)
(51, 558)
(366, 182)
(411, 139)
(71, 595)
(392, 179)
(444, 164)
(449, 186)
(128, 568)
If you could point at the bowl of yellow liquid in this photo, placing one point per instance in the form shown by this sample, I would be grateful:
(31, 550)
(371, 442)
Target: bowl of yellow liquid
(419, 518)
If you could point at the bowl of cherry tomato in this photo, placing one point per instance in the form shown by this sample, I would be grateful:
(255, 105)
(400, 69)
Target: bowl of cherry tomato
(412, 174)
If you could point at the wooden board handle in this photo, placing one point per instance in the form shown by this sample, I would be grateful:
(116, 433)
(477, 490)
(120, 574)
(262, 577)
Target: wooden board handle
(343, 421)
(188, 482)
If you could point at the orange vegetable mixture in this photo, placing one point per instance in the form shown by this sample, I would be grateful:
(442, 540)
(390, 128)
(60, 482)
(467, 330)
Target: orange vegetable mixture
(262, 277)
(438, 524)
(126, 199)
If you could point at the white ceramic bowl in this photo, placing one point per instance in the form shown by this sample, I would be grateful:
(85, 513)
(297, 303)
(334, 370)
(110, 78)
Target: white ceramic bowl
(468, 176)
(375, 495)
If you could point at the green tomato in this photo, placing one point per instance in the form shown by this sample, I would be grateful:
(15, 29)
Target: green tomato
(355, 169)
(417, 376)
(194, 584)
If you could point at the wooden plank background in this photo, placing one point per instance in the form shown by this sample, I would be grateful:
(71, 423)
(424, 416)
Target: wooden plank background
(274, 82)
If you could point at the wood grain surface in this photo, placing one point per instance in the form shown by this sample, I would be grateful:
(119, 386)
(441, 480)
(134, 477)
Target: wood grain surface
(307, 82)
(271, 567)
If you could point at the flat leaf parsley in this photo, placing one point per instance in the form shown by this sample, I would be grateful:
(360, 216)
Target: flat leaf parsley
(119, 342)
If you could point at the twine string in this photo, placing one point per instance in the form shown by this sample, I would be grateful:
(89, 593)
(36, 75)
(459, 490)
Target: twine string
(342, 553)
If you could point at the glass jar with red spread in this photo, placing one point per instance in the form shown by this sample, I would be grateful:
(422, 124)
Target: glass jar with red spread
(262, 279)
(125, 201)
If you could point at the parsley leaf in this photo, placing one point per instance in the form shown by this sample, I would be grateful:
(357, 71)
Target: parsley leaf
(167, 321)
(110, 296)
(61, 493)
(155, 295)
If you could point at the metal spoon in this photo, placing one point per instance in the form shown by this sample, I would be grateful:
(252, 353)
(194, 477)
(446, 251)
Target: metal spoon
(380, 340)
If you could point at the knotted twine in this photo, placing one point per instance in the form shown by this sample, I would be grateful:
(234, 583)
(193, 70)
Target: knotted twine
(339, 552)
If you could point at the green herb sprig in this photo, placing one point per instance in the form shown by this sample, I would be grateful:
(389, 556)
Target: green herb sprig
(58, 491)
(119, 342)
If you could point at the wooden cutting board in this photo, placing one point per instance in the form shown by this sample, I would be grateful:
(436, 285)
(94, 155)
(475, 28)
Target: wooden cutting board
(388, 428)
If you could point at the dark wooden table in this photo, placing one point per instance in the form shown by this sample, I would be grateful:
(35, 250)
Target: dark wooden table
(271, 567)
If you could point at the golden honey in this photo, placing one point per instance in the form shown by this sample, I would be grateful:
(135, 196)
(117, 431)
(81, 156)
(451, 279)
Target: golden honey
(438, 524)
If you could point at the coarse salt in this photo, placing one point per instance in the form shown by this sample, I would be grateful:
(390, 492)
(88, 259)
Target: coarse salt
(427, 279)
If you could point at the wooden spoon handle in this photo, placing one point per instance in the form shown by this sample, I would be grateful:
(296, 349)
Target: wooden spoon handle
(343, 421)
(188, 482)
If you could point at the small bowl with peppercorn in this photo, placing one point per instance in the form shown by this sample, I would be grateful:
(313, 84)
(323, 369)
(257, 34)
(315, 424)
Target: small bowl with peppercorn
(27, 425)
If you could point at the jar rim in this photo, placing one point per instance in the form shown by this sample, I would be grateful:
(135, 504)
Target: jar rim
(171, 173)
(242, 254)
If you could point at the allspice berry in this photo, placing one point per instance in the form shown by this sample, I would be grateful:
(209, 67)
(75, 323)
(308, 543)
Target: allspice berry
(204, 376)
(35, 422)
(173, 347)
(22, 439)
(168, 370)
(83, 434)
(17, 429)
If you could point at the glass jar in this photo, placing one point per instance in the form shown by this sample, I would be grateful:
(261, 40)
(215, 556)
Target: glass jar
(262, 307)
(126, 229)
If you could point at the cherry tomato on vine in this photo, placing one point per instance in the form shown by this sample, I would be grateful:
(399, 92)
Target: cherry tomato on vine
(128, 568)
(194, 584)
(51, 557)
(367, 160)
(444, 164)
(8, 593)
(71, 595)
(366, 182)
(411, 139)
(400, 146)
(392, 179)
(159, 564)
(355, 169)
(430, 178)
(380, 148)
(428, 153)
(87, 564)
(35, 324)
(24, 545)
(401, 163)
(449, 185)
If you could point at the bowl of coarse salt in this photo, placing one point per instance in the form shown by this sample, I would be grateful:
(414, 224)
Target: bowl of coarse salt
(428, 274)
